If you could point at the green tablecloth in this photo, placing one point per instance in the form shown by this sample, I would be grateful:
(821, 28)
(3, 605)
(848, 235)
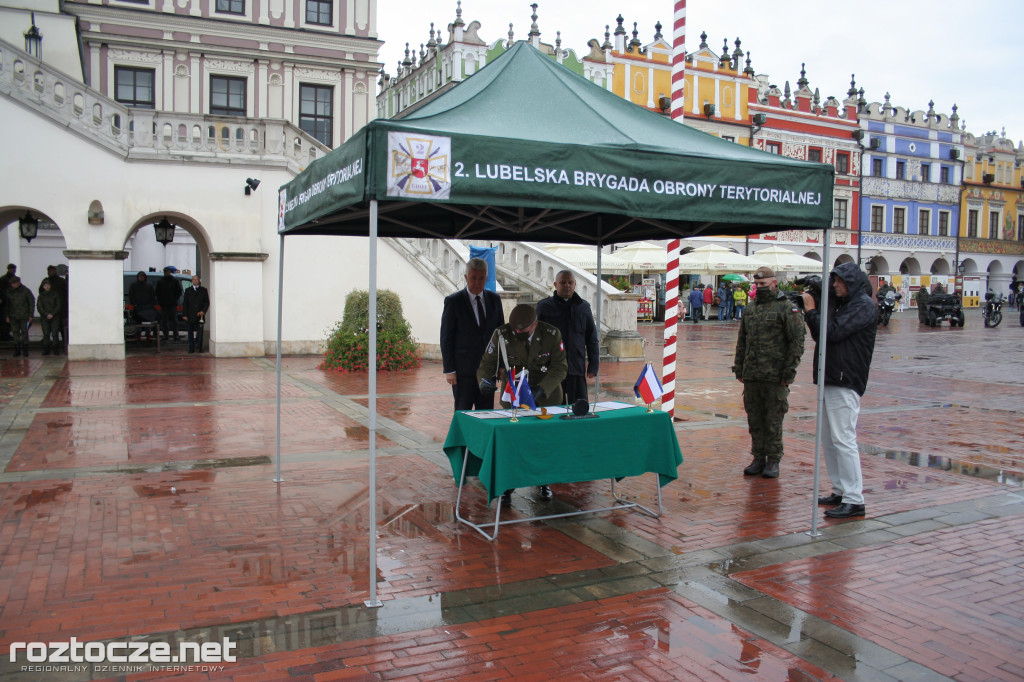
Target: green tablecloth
(534, 451)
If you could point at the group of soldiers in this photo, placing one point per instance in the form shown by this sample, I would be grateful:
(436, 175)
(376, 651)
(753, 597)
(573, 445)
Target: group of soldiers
(19, 305)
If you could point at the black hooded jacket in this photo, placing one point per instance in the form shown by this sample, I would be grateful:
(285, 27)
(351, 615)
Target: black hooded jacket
(579, 332)
(850, 335)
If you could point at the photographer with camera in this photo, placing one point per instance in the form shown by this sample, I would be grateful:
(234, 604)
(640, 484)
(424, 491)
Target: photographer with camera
(849, 345)
(768, 351)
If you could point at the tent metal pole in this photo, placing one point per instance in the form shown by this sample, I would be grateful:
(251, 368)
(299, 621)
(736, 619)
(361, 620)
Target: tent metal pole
(600, 288)
(820, 348)
(373, 601)
(280, 310)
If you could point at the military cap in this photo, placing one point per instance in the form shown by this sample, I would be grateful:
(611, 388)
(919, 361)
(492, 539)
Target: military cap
(764, 272)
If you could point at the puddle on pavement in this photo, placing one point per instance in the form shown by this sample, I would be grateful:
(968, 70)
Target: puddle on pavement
(917, 459)
(34, 497)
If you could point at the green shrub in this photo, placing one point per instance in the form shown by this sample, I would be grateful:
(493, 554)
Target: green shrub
(349, 342)
(621, 283)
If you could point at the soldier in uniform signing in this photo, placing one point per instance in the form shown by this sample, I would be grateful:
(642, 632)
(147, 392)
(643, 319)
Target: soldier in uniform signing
(768, 350)
(533, 345)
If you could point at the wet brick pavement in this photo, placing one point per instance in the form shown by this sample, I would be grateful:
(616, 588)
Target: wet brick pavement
(137, 501)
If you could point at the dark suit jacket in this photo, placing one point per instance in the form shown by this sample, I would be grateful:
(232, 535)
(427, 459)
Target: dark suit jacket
(196, 301)
(463, 341)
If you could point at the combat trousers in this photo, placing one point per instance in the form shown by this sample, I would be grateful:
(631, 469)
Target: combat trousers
(49, 327)
(19, 331)
(839, 443)
(766, 404)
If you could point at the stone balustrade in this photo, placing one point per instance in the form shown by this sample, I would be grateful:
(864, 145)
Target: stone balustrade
(145, 133)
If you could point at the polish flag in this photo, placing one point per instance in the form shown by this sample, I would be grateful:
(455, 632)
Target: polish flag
(648, 388)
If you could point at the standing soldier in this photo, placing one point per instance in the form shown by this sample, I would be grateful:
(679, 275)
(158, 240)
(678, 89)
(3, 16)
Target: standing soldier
(49, 307)
(922, 304)
(768, 350)
(21, 303)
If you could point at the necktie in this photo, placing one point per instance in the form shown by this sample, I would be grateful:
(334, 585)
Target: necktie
(479, 311)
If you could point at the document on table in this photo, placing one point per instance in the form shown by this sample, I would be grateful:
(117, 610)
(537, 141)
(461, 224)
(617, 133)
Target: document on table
(610, 405)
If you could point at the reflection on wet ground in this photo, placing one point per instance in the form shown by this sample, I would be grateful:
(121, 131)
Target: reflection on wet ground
(139, 500)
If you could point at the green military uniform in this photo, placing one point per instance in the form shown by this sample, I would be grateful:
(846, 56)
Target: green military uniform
(768, 351)
(49, 303)
(922, 304)
(21, 305)
(544, 358)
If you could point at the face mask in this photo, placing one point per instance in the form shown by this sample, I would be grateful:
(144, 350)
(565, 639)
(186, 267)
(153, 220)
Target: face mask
(764, 293)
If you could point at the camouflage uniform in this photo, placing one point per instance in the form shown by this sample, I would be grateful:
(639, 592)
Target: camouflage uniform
(922, 304)
(768, 350)
(544, 358)
(21, 305)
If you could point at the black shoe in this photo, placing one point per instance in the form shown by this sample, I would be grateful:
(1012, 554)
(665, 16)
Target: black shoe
(506, 496)
(771, 469)
(845, 511)
(191, 350)
(755, 467)
(832, 499)
(17, 351)
(46, 351)
(545, 493)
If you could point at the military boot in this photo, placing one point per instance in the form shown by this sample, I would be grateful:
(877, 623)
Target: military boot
(771, 469)
(755, 467)
(17, 350)
(24, 350)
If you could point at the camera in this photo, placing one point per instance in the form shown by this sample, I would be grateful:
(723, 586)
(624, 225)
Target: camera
(809, 283)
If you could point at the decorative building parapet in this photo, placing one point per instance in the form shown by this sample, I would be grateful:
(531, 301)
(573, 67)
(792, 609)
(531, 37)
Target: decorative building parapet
(905, 189)
(992, 246)
(909, 242)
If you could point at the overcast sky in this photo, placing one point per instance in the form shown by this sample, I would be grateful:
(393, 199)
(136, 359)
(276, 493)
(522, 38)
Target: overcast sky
(963, 53)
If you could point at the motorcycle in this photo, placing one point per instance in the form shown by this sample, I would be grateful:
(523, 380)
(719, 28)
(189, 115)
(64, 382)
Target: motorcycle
(886, 305)
(992, 314)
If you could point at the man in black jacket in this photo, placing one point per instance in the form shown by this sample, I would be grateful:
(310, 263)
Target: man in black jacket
(571, 314)
(469, 319)
(168, 291)
(194, 307)
(849, 345)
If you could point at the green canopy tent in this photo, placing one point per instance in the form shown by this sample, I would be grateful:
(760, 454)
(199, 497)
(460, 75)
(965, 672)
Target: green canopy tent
(527, 150)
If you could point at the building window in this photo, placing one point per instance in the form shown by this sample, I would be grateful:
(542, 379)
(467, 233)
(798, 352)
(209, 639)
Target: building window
(972, 224)
(227, 96)
(775, 148)
(316, 111)
(877, 168)
(231, 6)
(926, 172)
(878, 218)
(924, 221)
(843, 163)
(839, 214)
(993, 225)
(814, 154)
(944, 175)
(943, 223)
(134, 87)
(899, 220)
(901, 169)
(729, 138)
(318, 12)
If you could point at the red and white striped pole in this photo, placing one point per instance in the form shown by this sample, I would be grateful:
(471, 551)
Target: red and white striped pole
(678, 59)
(668, 371)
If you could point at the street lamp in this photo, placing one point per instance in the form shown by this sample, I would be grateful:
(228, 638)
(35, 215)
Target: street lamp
(164, 231)
(34, 40)
(28, 226)
(961, 268)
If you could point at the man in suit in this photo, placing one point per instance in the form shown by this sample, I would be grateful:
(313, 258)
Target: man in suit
(469, 319)
(194, 307)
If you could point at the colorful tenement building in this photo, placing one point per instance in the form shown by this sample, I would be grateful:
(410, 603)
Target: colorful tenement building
(898, 205)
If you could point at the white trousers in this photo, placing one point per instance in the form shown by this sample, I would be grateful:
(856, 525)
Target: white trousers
(839, 443)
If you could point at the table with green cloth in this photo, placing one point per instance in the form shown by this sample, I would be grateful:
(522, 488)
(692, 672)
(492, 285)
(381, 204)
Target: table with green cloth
(534, 451)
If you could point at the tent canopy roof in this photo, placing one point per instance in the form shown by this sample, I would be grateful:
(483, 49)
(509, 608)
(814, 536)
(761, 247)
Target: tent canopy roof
(527, 150)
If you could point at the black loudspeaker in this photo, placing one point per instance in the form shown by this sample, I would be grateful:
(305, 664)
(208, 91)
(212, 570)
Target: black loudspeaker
(580, 410)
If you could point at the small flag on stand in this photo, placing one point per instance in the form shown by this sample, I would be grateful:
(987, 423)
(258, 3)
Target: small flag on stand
(509, 394)
(524, 396)
(648, 388)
